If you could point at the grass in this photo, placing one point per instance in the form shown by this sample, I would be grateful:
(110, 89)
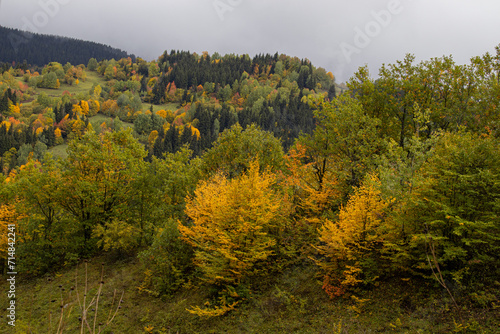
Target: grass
(290, 302)
(98, 119)
(59, 151)
(82, 87)
(156, 107)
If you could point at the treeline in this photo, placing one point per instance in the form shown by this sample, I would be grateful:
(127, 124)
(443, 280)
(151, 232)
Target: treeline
(189, 71)
(39, 49)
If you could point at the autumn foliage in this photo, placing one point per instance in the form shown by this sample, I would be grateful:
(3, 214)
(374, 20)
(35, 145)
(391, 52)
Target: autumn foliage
(235, 224)
(351, 246)
(8, 216)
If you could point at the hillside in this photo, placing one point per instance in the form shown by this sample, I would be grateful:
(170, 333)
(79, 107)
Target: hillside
(39, 49)
(238, 194)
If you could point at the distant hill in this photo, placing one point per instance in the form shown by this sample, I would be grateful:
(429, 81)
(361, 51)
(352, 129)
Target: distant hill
(39, 49)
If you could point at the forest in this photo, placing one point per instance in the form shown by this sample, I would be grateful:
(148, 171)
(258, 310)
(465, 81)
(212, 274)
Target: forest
(24, 48)
(225, 193)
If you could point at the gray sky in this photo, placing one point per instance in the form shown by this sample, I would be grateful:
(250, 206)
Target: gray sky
(339, 35)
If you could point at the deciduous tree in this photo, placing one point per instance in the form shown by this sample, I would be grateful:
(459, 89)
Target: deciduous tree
(235, 225)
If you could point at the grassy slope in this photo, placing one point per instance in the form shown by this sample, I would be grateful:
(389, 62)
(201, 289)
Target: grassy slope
(82, 87)
(166, 106)
(59, 151)
(291, 302)
(98, 119)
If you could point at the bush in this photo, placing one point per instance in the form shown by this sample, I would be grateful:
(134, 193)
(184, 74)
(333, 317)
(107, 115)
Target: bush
(169, 260)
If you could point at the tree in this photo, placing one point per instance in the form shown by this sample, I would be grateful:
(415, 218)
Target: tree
(152, 138)
(169, 259)
(9, 218)
(454, 210)
(448, 91)
(332, 92)
(48, 238)
(235, 227)
(92, 64)
(50, 80)
(352, 245)
(236, 148)
(98, 177)
(143, 124)
(345, 143)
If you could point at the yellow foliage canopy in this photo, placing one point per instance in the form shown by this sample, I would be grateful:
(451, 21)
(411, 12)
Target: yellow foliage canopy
(162, 113)
(15, 109)
(8, 216)
(317, 188)
(356, 235)
(152, 138)
(234, 223)
(6, 124)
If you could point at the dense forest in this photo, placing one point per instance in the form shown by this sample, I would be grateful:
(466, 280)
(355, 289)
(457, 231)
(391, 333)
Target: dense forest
(240, 183)
(22, 47)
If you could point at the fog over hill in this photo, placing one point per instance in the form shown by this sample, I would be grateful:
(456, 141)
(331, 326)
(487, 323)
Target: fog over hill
(338, 35)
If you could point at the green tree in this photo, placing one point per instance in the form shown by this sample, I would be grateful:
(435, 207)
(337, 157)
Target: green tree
(454, 209)
(345, 143)
(236, 148)
(98, 177)
(445, 89)
(169, 260)
(143, 124)
(485, 112)
(92, 64)
(48, 237)
(50, 80)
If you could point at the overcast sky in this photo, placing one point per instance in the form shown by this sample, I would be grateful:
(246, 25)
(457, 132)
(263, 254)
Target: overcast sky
(338, 35)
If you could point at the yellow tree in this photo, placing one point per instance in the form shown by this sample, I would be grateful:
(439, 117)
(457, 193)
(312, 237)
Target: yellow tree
(162, 113)
(58, 134)
(8, 224)
(15, 109)
(94, 107)
(152, 138)
(97, 92)
(235, 225)
(85, 107)
(351, 246)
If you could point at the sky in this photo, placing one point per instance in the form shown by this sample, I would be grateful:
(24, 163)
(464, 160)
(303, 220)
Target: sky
(338, 35)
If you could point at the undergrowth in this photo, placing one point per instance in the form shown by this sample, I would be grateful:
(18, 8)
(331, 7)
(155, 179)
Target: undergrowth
(291, 302)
